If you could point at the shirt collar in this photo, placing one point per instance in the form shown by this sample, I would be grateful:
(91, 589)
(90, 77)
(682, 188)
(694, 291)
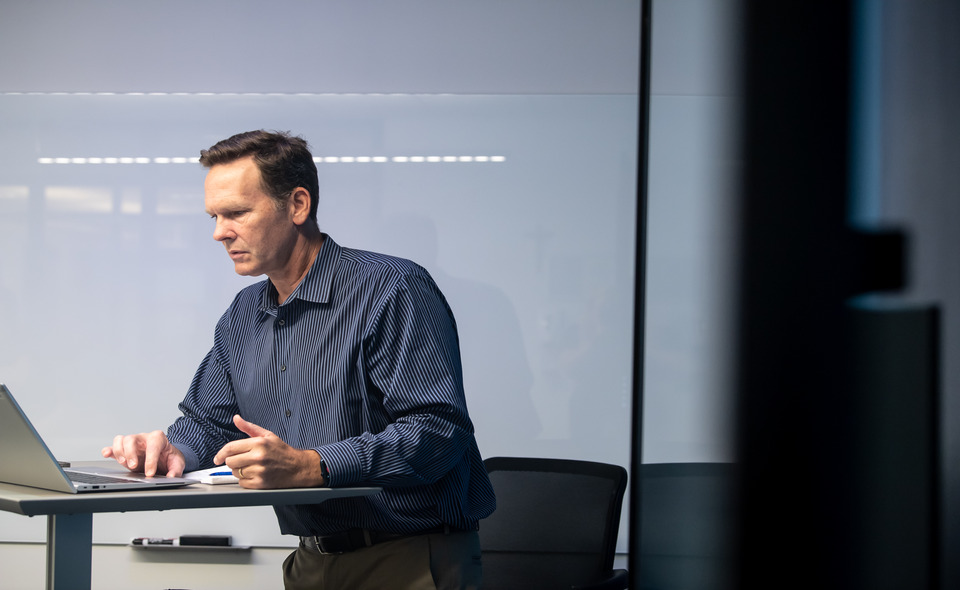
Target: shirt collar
(316, 285)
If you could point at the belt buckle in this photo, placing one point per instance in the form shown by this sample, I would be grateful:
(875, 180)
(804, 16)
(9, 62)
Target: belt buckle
(341, 543)
(319, 545)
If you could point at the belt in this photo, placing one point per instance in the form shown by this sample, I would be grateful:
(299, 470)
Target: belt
(353, 539)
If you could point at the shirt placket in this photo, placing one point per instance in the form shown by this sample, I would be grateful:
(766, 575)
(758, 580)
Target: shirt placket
(282, 369)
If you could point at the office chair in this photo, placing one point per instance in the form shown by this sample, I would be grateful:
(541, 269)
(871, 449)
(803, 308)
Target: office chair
(687, 526)
(555, 525)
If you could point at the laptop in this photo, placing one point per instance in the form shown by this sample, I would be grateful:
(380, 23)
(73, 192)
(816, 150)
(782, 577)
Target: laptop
(26, 460)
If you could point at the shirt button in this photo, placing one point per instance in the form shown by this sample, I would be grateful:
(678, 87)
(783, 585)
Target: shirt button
(281, 322)
(287, 413)
(283, 367)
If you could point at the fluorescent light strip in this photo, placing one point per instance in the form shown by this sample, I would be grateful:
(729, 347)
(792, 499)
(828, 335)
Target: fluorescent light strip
(271, 94)
(405, 159)
(119, 160)
(318, 160)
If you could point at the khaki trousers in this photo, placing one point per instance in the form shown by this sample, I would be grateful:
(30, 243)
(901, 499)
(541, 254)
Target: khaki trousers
(421, 562)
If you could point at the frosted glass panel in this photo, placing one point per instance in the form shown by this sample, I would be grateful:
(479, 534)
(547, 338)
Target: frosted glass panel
(522, 207)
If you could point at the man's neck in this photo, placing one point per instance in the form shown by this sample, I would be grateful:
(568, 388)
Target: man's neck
(300, 262)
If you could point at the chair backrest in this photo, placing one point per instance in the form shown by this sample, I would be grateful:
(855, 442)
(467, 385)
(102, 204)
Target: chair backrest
(687, 526)
(556, 522)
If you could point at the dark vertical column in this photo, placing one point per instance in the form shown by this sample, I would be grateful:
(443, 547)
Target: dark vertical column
(920, 183)
(643, 143)
(795, 410)
(896, 369)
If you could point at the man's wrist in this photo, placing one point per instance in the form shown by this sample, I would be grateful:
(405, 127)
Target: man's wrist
(324, 474)
(318, 468)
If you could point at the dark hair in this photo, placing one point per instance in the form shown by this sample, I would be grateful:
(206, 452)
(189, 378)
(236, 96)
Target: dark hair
(284, 161)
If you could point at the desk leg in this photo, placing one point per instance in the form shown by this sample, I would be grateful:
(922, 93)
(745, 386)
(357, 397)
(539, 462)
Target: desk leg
(69, 550)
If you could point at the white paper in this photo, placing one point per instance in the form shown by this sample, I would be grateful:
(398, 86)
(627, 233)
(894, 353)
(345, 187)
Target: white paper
(213, 476)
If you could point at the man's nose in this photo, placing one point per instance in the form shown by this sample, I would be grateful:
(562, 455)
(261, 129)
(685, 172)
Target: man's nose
(220, 231)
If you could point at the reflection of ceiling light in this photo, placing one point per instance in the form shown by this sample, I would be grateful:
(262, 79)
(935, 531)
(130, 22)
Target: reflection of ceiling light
(318, 160)
(401, 94)
(406, 159)
(118, 160)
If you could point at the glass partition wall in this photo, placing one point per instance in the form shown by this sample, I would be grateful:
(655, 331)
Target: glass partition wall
(523, 209)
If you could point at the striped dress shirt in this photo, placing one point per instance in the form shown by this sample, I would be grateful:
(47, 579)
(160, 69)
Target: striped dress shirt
(362, 364)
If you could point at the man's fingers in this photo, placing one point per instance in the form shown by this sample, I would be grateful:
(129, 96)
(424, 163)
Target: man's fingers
(156, 447)
(144, 452)
(116, 451)
(252, 476)
(221, 457)
(230, 449)
(244, 445)
(249, 428)
(130, 451)
(175, 462)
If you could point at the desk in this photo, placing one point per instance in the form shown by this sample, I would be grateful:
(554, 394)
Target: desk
(70, 516)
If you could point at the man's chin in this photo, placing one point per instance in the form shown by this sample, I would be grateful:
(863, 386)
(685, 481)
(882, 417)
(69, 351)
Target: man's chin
(246, 270)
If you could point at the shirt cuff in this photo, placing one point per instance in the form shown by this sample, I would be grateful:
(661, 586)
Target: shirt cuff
(343, 464)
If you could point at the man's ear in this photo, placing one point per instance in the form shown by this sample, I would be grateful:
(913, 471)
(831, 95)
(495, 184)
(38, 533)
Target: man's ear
(300, 205)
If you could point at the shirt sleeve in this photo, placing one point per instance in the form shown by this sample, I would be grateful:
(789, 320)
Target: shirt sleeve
(412, 361)
(206, 423)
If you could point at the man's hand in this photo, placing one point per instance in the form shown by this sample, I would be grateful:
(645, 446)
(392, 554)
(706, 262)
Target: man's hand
(265, 461)
(148, 452)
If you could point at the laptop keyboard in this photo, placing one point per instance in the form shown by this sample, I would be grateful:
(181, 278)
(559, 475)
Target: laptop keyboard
(95, 478)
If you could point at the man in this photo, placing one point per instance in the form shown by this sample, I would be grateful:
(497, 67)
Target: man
(342, 369)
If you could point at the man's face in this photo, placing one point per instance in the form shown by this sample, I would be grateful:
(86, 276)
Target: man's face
(258, 236)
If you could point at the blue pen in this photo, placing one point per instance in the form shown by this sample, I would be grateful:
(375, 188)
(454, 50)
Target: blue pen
(222, 473)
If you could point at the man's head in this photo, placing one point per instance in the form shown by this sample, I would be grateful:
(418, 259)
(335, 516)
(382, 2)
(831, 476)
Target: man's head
(284, 161)
(264, 216)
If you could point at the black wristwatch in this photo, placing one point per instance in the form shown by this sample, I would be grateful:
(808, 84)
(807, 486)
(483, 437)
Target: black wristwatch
(325, 474)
